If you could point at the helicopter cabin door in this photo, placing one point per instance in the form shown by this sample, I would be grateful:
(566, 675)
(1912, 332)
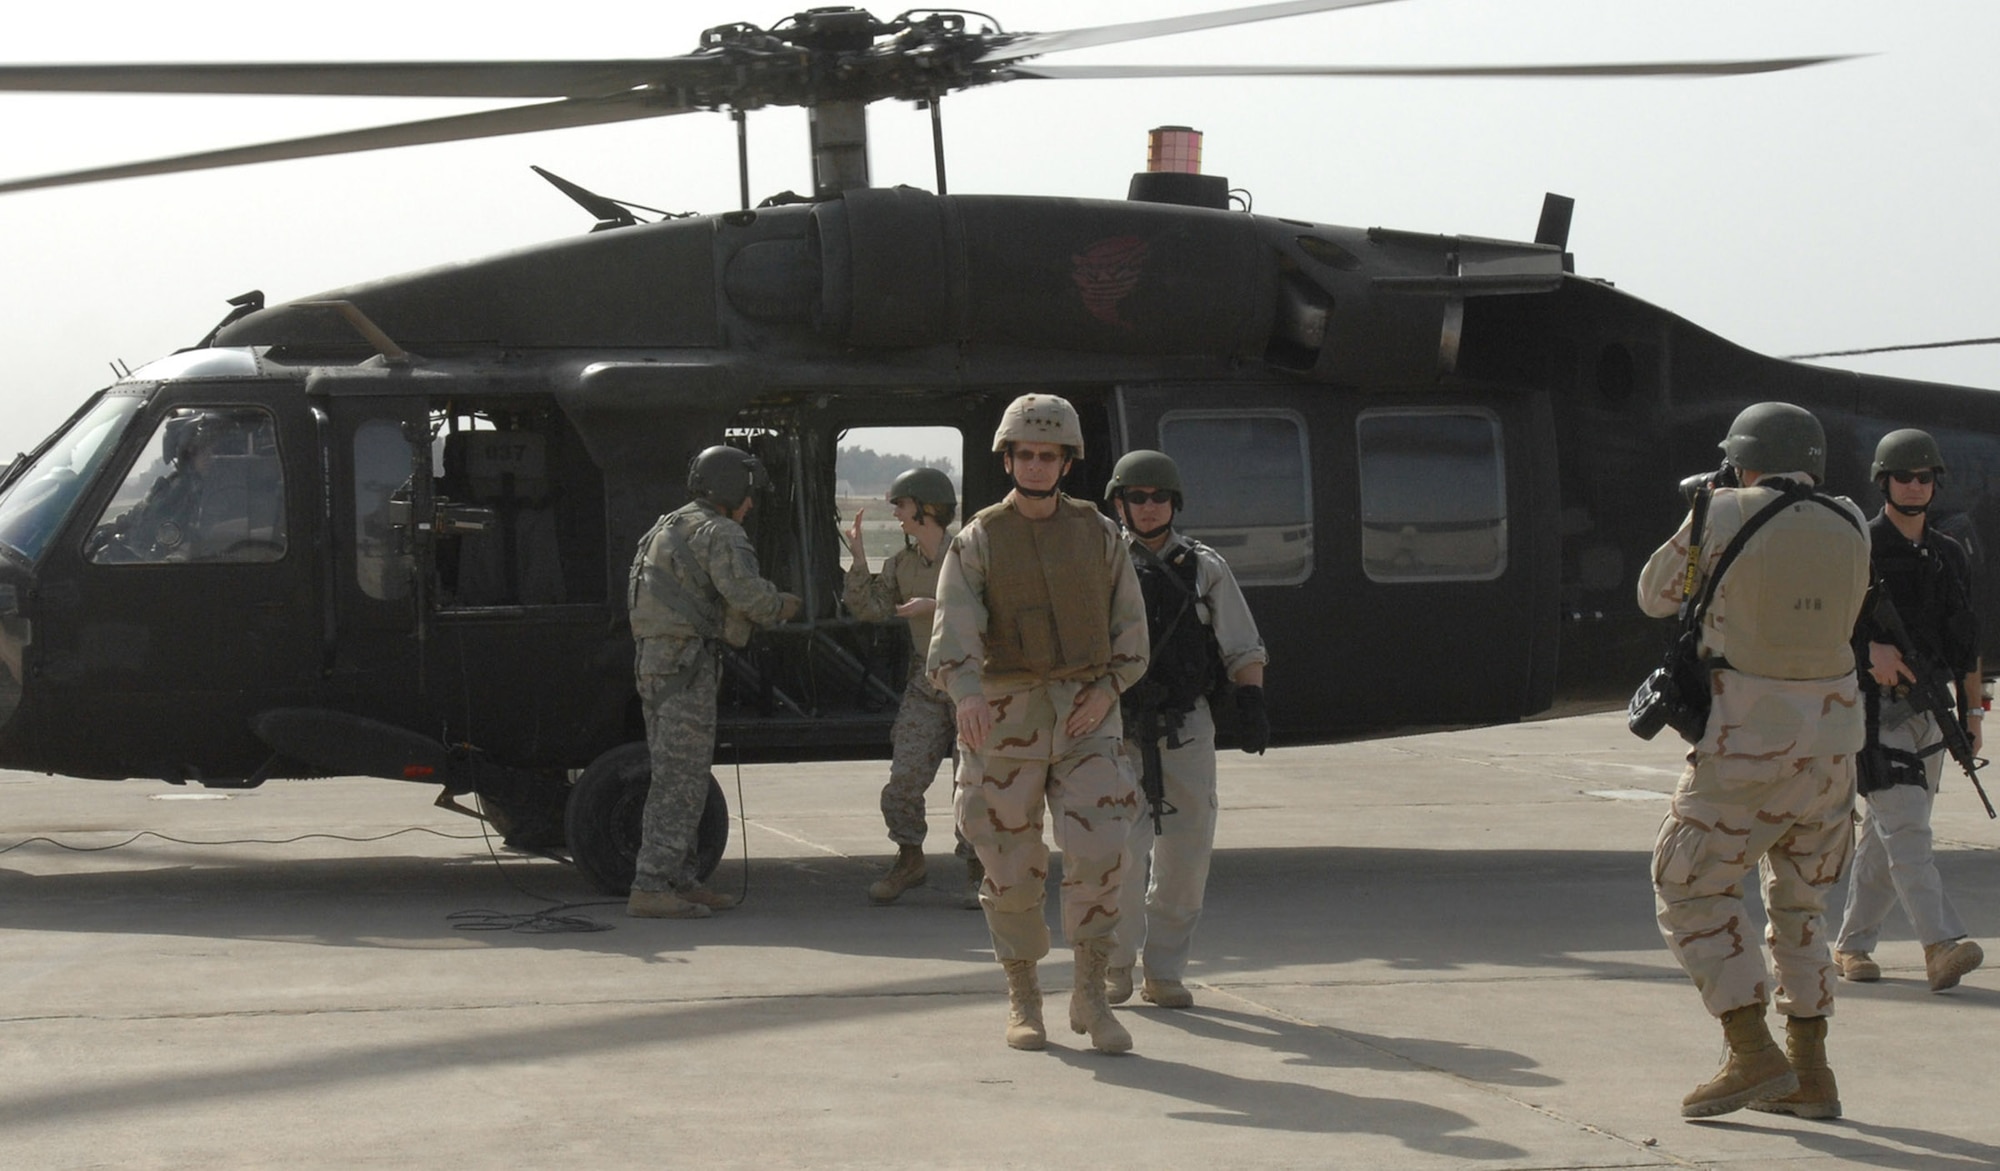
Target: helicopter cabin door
(1399, 551)
(195, 604)
(473, 592)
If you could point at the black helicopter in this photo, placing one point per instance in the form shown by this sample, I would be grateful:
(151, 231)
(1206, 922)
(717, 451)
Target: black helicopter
(384, 530)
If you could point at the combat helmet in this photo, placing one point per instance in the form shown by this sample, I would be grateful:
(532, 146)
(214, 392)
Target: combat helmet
(186, 434)
(1040, 418)
(923, 485)
(1146, 469)
(724, 475)
(1908, 450)
(926, 486)
(1777, 437)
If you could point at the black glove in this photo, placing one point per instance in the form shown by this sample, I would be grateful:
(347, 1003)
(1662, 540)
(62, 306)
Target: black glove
(1253, 723)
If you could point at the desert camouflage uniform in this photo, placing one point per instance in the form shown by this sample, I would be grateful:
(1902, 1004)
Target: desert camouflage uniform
(1029, 759)
(1769, 786)
(926, 723)
(682, 610)
(1167, 873)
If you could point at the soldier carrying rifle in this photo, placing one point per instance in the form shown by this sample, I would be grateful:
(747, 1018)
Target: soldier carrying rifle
(1201, 632)
(1925, 640)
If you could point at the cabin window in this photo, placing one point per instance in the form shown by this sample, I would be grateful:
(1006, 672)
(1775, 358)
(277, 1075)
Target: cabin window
(382, 466)
(868, 461)
(1433, 495)
(521, 507)
(208, 488)
(1247, 480)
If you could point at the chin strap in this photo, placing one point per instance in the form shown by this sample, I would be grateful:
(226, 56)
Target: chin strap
(1033, 494)
(1882, 483)
(1125, 514)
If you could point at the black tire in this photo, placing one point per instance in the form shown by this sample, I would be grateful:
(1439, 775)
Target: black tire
(607, 807)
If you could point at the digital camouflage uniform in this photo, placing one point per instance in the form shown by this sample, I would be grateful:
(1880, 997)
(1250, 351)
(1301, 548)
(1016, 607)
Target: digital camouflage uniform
(1029, 760)
(1167, 873)
(1770, 785)
(694, 585)
(926, 723)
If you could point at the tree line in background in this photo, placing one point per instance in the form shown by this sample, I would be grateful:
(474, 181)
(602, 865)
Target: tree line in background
(867, 472)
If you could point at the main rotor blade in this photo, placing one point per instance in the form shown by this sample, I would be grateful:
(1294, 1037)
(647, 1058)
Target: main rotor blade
(1035, 44)
(407, 79)
(1633, 69)
(486, 124)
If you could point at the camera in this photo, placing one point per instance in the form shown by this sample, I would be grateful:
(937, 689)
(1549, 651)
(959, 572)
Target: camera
(1722, 477)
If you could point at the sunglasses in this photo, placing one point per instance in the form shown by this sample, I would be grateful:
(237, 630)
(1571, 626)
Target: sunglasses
(1924, 477)
(1031, 457)
(1157, 496)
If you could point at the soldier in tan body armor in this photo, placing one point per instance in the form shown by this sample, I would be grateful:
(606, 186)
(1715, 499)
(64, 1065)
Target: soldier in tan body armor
(1770, 785)
(1040, 626)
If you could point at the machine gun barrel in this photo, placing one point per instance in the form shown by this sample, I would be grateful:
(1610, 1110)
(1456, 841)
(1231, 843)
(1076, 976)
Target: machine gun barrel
(1147, 724)
(1927, 694)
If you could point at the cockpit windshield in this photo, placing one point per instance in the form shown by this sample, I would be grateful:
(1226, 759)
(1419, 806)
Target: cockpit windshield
(35, 505)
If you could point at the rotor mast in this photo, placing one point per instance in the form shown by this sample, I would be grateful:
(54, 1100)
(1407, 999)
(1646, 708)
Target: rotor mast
(839, 146)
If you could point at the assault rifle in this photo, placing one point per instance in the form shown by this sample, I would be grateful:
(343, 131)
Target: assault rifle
(1927, 694)
(1147, 723)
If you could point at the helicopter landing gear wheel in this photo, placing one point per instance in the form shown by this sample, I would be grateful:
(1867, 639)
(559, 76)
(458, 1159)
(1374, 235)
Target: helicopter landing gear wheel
(607, 807)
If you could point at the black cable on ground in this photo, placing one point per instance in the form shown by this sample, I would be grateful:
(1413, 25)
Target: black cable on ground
(552, 920)
(147, 833)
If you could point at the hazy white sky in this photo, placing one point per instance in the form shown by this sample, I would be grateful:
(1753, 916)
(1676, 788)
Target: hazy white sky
(1844, 206)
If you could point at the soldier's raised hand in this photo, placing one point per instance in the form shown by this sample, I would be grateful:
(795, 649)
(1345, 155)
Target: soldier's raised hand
(854, 543)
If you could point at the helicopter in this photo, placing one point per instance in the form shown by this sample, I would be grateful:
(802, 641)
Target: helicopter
(416, 497)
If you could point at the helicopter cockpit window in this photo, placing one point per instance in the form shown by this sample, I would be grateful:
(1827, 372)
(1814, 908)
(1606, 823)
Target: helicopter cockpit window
(1433, 495)
(39, 500)
(1248, 486)
(207, 488)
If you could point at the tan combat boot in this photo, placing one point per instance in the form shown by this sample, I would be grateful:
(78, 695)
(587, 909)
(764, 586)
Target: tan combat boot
(1949, 960)
(662, 904)
(1118, 983)
(975, 878)
(1166, 993)
(1089, 1012)
(1024, 1006)
(906, 873)
(1805, 1049)
(714, 900)
(1857, 966)
(1753, 1069)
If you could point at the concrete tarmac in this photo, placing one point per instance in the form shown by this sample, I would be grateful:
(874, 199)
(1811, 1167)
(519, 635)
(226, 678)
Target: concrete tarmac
(1434, 951)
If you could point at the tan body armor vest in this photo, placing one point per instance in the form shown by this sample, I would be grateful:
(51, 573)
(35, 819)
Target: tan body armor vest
(1794, 593)
(1048, 592)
